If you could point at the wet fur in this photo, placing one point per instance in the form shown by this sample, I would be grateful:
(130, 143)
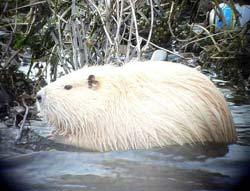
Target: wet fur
(137, 106)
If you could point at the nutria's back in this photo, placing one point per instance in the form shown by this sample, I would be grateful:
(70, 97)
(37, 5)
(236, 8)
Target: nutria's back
(137, 106)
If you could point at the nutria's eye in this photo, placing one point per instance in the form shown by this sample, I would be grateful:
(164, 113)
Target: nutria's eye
(92, 82)
(68, 87)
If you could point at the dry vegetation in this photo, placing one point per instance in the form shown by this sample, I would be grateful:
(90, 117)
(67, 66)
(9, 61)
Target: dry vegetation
(67, 34)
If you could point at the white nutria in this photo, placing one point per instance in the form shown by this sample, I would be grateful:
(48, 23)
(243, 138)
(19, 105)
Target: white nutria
(137, 106)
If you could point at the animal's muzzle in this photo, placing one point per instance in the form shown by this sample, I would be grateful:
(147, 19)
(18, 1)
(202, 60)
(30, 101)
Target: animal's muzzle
(39, 98)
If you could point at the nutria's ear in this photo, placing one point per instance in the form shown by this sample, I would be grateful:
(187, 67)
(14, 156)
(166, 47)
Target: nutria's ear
(92, 82)
(198, 68)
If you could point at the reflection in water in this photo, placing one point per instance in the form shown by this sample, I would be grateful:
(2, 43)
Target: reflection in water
(213, 167)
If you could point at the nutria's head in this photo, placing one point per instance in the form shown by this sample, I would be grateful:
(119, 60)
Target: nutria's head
(68, 87)
(70, 100)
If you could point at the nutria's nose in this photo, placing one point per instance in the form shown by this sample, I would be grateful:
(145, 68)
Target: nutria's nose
(39, 98)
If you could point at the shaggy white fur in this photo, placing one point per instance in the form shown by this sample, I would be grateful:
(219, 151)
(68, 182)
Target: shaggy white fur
(137, 106)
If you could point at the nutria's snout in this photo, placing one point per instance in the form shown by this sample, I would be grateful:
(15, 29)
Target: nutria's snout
(39, 98)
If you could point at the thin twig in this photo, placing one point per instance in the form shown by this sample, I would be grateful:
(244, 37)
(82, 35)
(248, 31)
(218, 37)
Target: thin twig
(103, 23)
(136, 29)
(129, 40)
(203, 38)
(29, 5)
(210, 36)
(19, 136)
(171, 30)
(169, 51)
(151, 24)
(119, 14)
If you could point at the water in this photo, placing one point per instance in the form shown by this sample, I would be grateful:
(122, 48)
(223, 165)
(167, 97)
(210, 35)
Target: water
(217, 167)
